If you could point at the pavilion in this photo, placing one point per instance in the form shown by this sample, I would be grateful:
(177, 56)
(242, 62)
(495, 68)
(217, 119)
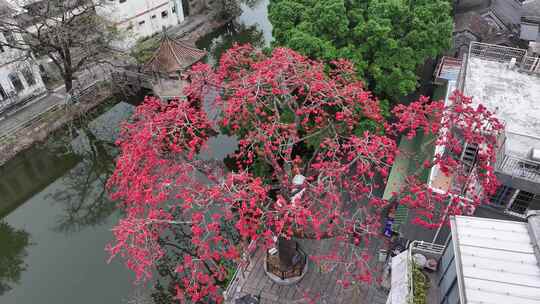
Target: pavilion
(168, 64)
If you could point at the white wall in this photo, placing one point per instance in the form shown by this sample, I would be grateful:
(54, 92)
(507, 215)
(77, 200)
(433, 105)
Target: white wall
(142, 18)
(29, 90)
(11, 61)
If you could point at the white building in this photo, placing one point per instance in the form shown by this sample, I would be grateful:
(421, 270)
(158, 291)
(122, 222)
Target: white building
(142, 18)
(483, 261)
(507, 82)
(20, 79)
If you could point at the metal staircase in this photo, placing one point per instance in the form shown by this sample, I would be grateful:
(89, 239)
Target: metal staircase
(468, 156)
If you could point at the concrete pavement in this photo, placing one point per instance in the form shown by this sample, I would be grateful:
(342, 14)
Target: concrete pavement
(10, 120)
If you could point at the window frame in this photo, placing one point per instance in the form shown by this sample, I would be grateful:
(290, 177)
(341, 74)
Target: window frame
(15, 79)
(29, 76)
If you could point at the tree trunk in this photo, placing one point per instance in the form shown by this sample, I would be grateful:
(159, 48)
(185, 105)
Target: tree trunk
(68, 82)
(286, 252)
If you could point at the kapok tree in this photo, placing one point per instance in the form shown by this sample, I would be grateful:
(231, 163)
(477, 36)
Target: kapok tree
(313, 149)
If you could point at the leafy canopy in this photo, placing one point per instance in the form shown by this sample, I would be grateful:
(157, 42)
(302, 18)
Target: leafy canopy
(291, 116)
(386, 39)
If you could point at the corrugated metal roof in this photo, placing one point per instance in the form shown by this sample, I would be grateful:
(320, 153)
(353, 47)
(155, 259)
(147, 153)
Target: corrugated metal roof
(495, 261)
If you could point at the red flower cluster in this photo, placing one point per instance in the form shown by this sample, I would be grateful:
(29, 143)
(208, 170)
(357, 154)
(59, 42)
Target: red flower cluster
(292, 117)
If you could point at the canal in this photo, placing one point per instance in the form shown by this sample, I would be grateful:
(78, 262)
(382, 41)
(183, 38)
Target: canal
(55, 215)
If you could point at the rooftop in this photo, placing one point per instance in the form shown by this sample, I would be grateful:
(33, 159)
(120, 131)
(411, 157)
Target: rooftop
(531, 8)
(514, 95)
(496, 260)
(173, 56)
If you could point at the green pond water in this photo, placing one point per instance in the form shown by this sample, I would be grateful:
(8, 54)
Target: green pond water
(55, 215)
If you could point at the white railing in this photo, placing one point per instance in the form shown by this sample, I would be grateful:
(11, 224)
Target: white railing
(505, 54)
(530, 64)
(520, 167)
(239, 274)
(233, 284)
(495, 52)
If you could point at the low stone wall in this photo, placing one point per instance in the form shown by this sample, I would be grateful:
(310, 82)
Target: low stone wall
(47, 123)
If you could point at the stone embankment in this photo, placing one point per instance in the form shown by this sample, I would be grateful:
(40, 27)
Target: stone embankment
(37, 127)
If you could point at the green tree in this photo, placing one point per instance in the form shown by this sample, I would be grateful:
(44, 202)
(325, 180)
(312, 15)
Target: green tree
(12, 253)
(386, 39)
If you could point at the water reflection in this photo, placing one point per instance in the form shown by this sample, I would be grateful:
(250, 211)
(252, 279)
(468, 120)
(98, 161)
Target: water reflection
(58, 186)
(252, 26)
(216, 43)
(13, 245)
(30, 173)
(84, 199)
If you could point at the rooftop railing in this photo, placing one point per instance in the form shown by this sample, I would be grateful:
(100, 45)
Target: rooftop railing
(504, 54)
(520, 167)
(495, 52)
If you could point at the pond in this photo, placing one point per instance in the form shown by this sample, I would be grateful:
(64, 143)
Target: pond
(252, 26)
(54, 238)
(55, 216)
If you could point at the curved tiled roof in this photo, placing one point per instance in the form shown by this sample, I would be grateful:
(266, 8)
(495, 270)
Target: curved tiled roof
(173, 56)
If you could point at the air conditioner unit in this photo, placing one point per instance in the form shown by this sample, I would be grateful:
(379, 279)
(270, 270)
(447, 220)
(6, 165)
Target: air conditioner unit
(535, 154)
(512, 63)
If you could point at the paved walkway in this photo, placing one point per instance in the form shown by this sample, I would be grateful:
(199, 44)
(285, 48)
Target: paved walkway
(322, 284)
(15, 117)
(18, 116)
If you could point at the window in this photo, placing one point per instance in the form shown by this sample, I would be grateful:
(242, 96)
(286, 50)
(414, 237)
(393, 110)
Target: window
(142, 22)
(3, 93)
(502, 196)
(174, 9)
(10, 39)
(164, 14)
(16, 82)
(522, 202)
(1, 49)
(29, 76)
(122, 1)
(153, 17)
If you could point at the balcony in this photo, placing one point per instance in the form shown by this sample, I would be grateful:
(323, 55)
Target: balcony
(519, 167)
(433, 253)
(411, 282)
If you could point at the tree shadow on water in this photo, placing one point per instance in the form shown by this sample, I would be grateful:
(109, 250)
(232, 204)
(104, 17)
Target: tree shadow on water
(83, 196)
(222, 39)
(13, 245)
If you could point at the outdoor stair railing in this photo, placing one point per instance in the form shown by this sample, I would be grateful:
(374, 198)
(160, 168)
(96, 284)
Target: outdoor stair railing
(239, 275)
